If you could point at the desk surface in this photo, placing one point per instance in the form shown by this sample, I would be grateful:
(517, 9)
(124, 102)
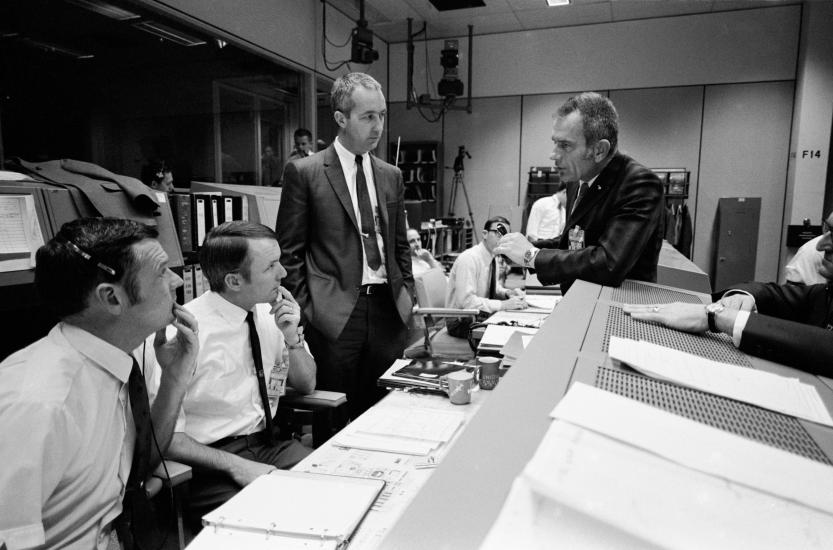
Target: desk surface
(467, 491)
(404, 474)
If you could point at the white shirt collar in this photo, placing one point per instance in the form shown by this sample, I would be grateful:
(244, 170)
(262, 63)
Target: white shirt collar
(104, 354)
(232, 313)
(347, 158)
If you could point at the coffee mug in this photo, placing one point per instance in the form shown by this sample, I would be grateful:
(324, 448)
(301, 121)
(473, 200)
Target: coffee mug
(489, 372)
(460, 384)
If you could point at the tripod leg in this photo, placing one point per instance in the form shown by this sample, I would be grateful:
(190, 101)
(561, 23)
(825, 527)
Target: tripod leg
(468, 205)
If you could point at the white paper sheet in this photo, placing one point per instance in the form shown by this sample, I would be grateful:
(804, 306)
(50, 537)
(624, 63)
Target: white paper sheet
(763, 389)
(699, 446)
(496, 336)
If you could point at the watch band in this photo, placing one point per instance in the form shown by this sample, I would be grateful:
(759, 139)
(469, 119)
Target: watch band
(712, 324)
(300, 343)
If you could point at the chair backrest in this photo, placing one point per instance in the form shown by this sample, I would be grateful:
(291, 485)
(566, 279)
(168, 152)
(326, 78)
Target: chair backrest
(431, 288)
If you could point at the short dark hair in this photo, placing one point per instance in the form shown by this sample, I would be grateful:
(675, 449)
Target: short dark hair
(78, 258)
(302, 132)
(154, 172)
(226, 249)
(598, 116)
(341, 95)
(496, 219)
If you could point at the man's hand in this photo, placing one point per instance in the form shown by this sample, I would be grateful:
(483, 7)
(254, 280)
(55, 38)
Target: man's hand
(425, 255)
(514, 302)
(178, 356)
(245, 471)
(513, 246)
(287, 314)
(679, 316)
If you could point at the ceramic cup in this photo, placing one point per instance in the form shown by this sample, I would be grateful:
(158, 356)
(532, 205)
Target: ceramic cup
(460, 384)
(489, 372)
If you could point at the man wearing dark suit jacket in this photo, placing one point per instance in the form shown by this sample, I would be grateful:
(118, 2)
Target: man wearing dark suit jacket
(614, 204)
(341, 226)
(788, 324)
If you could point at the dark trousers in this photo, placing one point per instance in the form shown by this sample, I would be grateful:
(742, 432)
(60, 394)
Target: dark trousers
(372, 339)
(208, 489)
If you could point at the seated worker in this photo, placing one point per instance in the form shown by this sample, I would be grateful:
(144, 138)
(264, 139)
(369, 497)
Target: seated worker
(158, 176)
(548, 215)
(68, 401)
(421, 259)
(789, 324)
(473, 281)
(807, 267)
(270, 168)
(225, 430)
(303, 144)
(614, 229)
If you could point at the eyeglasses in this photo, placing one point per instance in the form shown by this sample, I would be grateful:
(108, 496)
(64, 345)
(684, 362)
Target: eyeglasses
(415, 241)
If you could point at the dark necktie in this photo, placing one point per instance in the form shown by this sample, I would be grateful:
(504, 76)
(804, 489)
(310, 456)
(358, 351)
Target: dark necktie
(371, 247)
(582, 189)
(136, 526)
(261, 380)
(492, 279)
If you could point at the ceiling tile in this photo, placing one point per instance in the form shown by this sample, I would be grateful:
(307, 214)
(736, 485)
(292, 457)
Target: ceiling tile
(646, 9)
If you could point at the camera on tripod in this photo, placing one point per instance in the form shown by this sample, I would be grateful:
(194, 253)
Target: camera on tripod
(458, 162)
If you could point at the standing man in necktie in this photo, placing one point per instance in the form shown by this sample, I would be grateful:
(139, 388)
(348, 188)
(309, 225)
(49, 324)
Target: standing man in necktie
(68, 401)
(614, 231)
(250, 349)
(473, 281)
(341, 225)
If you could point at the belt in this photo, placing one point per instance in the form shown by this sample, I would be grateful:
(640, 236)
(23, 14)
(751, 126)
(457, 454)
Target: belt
(372, 289)
(240, 441)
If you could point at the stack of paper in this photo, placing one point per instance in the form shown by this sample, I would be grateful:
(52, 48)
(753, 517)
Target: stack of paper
(406, 430)
(612, 472)
(496, 336)
(759, 388)
(420, 374)
(541, 302)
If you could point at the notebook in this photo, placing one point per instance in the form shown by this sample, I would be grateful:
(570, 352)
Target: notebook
(420, 374)
(291, 510)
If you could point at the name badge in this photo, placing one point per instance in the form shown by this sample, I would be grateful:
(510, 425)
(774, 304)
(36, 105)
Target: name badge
(276, 384)
(576, 236)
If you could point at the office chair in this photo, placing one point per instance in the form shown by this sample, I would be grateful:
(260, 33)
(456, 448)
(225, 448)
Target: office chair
(317, 409)
(431, 312)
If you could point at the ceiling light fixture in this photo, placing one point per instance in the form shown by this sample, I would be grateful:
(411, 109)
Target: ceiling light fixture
(106, 9)
(167, 33)
(56, 48)
(553, 3)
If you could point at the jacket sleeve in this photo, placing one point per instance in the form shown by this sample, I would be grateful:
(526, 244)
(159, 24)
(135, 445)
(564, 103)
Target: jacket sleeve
(791, 302)
(293, 233)
(804, 347)
(632, 223)
(401, 246)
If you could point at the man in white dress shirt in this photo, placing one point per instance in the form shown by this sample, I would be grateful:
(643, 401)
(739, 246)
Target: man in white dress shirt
(547, 216)
(473, 282)
(223, 431)
(65, 415)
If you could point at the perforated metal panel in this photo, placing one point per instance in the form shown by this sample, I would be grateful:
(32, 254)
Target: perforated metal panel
(632, 292)
(770, 428)
(717, 347)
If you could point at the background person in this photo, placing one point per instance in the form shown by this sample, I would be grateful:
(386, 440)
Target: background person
(548, 215)
(421, 259)
(474, 281)
(157, 175)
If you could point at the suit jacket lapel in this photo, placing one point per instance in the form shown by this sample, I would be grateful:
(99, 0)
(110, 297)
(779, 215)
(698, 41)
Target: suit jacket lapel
(335, 175)
(597, 192)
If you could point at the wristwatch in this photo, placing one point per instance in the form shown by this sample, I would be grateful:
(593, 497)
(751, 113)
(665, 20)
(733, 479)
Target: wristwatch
(300, 343)
(529, 256)
(711, 310)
